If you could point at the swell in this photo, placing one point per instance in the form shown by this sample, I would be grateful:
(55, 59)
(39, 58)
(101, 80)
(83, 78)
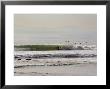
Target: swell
(53, 47)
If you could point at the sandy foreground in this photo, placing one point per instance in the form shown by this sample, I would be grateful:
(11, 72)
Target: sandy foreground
(86, 69)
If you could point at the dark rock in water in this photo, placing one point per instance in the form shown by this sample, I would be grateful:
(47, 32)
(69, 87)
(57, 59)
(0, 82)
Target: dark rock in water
(19, 59)
(28, 59)
(18, 56)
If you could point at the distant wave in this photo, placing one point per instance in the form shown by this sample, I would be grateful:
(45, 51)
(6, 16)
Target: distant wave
(64, 47)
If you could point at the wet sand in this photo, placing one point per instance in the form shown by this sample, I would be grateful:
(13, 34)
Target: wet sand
(84, 69)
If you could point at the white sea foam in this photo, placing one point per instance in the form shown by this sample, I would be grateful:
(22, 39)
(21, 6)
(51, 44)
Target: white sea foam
(57, 53)
(54, 58)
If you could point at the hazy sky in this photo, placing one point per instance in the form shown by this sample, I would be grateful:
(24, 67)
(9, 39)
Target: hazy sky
(54, 28)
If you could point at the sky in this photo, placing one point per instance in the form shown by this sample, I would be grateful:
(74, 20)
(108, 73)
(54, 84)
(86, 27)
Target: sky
(54, 28)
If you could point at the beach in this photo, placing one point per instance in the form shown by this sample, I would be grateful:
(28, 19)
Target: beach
(87, 69)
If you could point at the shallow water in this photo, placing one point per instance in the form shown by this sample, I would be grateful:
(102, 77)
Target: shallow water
(59, 65)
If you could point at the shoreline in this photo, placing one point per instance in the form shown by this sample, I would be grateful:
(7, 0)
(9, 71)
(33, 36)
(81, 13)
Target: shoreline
(87, 69)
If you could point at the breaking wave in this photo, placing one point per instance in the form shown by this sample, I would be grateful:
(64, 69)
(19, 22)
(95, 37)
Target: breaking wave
(65, 47)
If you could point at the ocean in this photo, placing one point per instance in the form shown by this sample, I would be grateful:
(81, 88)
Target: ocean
(56, 62)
